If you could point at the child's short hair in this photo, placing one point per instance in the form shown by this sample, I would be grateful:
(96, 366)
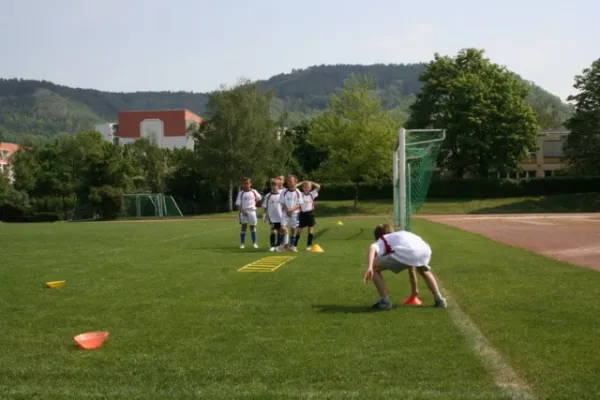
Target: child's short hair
(274, 181)
(247, 180)
(382, 229)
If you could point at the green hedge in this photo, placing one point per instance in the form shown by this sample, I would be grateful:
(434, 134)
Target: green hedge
(472, 188)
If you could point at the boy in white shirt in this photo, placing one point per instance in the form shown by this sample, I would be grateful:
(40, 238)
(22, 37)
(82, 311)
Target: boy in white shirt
(273, 212)
(310, 191)
(397, 251)
(290, 199)
(246, 202)
(280, 184)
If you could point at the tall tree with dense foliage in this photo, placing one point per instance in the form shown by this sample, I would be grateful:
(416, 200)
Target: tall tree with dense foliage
(151, 163)
(489, 124)
(357, 134)
(239, 138)
(582, 146)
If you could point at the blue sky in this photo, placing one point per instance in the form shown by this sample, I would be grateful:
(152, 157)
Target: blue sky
(197, 45)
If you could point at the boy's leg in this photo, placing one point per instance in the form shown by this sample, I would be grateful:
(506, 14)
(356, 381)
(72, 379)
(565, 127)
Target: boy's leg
(309, 241)
(281, 239)
(297, 238)
(431, 282)
(243, 235)
(272, 238)
(286, 239)
(253, 235)
(252, 220)
(384, 302)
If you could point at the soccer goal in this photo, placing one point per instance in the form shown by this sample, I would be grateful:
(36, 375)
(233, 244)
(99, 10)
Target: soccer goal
(415, 160)
(150, 205)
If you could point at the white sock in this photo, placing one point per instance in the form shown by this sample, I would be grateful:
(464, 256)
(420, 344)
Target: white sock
(286, 240)
(385, 298)
(438, 296)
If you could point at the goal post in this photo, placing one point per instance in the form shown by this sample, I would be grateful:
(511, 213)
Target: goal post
(415, 160)
(149, 205)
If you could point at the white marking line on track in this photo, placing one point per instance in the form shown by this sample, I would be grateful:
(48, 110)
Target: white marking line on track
(576, 251)
(528, 222)
(503, 374)
(513, 217)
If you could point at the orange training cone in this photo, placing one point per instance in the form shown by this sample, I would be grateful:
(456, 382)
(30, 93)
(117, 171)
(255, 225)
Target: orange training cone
(413, 301)
(316, 249)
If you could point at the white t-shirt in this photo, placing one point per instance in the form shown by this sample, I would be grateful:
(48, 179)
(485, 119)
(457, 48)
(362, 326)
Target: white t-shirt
(308, 200)
(273, 207)
(405, 247)
(247, 200)
(290, 198)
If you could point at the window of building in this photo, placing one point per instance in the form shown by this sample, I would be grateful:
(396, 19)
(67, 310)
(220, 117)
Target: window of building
(548, 173)
(553, 148)
(531, 174)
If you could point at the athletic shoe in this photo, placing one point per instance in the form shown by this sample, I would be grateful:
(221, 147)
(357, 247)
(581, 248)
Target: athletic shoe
(294, 249)
(255, 246)
(278, 249)
(441, 303)
(309, 248)
(272, 249)
(243, 246)
(382, 305)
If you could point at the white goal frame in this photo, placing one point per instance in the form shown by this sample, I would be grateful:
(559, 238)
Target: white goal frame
(401, 170)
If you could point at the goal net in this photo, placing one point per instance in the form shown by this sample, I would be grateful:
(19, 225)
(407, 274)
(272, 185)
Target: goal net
(415, 161)
(150, 205)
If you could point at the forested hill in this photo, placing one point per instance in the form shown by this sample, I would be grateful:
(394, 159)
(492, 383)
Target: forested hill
(42, 108)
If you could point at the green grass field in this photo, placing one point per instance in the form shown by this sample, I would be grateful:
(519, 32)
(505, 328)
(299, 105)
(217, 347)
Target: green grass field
(186, 324)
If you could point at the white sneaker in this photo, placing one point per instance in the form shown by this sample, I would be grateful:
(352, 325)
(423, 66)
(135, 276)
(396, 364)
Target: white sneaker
(272, 249)
(278, 249)
(243, 246)
(294, 249)
(309, 248)
(255, 246)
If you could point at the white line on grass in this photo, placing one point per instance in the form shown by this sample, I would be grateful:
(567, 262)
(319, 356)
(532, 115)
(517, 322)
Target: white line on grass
(504, 375)
(171, 239)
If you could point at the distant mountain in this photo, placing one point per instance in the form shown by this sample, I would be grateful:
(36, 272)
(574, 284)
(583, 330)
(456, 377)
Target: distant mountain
(31, 109)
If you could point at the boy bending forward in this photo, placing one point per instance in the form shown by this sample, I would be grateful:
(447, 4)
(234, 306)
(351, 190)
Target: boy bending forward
(397, 251)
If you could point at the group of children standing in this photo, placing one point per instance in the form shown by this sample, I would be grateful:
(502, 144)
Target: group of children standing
(288, 210)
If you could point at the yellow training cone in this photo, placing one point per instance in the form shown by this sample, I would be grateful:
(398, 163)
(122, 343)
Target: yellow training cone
(55, 284)
(316, 249)
(340, 223)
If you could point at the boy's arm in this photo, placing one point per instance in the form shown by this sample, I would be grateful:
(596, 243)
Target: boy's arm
(316, 186)
(412, 276)
(370, 259)
(238, 201)
(298, 206)
(282, 202)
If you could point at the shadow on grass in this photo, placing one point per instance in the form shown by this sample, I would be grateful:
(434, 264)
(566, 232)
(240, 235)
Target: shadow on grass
(579, 203)
(344, 309)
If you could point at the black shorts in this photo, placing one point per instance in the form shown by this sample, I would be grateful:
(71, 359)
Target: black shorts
(275, 226)
(307, 219)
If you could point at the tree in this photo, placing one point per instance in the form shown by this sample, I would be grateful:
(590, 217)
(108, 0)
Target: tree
(357, 134)
(308, 158)
(152, 163)
(489, 124)
(239, 138)
(582, 146)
